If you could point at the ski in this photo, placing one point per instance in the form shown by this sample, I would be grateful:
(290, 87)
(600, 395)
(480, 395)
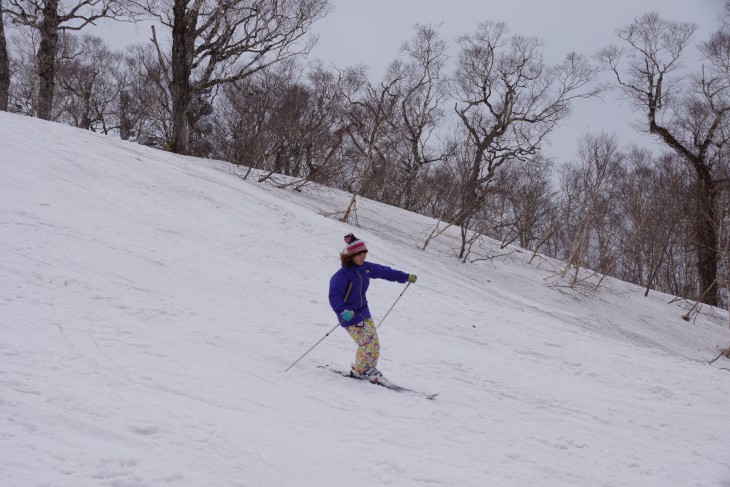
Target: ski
(383, 382)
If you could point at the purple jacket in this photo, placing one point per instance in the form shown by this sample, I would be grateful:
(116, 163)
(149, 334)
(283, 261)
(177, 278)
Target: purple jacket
(349, 285)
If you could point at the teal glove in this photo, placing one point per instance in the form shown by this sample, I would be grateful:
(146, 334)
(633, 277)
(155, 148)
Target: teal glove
(347, 315)
(412, 278)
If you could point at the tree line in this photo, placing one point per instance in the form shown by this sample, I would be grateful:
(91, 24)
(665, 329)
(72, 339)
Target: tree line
(458, 139)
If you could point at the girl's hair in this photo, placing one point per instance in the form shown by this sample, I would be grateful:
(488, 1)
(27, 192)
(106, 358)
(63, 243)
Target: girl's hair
(347, 258)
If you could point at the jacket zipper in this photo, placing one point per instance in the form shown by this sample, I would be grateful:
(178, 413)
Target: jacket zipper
(360, 275)
(347, 293)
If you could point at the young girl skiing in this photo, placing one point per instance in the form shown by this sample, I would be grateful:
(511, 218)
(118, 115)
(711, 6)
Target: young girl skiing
(348, 287)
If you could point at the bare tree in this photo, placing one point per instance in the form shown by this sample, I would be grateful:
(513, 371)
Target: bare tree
(4, 64)
(87, 80)
(653, 220)
(322, 129)
(530, 208)
(214, 43)
(144, 97)
(509, 100)
(724, 253)
(592, 186)
(282, 120)
(366, 112)
(51, 17)
(687, 113)
(242, 120)
(299, 123)
(418, 112)
(724, 240)
(23, 94)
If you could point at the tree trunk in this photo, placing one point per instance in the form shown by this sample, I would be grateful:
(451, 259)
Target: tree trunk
(183, 37)
(4, 65)
(470, 197)
(706, 218)
(125, 125)
(47, 59)
(350, 208)
(707, 241)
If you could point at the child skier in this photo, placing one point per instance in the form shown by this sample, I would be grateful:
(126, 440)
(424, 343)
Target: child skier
(348, 287)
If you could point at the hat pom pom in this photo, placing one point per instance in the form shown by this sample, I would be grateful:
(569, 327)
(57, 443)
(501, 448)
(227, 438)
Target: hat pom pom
(349, 238)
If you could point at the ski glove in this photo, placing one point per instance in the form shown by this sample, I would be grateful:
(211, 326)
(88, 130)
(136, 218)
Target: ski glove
(412, 278)
(347, 315)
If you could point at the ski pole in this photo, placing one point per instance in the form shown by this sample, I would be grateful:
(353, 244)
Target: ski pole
(391, 308)
(305, 353)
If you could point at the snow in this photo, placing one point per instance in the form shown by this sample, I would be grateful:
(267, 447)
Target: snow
(150, 303)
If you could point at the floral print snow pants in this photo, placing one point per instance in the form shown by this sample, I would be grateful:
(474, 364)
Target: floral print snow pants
(368, 346)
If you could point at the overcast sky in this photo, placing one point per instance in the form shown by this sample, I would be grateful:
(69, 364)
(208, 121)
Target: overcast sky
(371, 32)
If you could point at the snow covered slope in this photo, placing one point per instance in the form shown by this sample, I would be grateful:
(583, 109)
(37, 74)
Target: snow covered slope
(149, 304)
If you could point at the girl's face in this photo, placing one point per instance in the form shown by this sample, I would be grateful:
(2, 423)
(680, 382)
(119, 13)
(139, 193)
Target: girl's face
(359, 258)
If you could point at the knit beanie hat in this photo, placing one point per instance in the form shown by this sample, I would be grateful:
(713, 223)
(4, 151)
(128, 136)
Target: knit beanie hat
(354, 245)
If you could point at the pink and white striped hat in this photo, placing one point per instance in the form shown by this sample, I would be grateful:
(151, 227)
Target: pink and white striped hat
(354, 245)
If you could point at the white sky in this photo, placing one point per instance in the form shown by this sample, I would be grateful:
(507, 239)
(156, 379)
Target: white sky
(371, 33)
